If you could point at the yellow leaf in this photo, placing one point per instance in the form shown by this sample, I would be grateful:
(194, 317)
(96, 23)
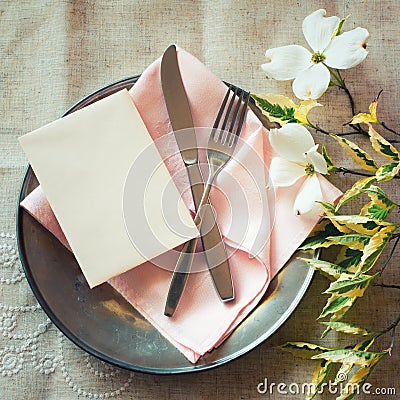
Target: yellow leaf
(367, 118)
(362, 117)
(301, 112)
(381, 145)
(372, 109)
(358, 155)
(283, 101)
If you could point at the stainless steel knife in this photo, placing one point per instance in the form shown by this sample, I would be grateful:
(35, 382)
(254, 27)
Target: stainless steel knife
(182, 124)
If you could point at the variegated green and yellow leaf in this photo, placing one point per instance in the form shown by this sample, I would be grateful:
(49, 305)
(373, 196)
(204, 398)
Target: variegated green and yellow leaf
(387, 172)
(277, 108)
(349, 259)
(329, 208)
(374, 248)
(347, 328)
(336, 305)
(358, 223)
(329, 163)
(302, 349)
(339, 304)
(365, 344)
(330, 211)
(319, 376)
(382, 146)
(358, 155)
(345, 368)
(355, 241)
(378, 196)
(375, 211)
(346, 285)
(324, 229)
(358, 379)
(333, 270)
(338, 30)
(356, 357)
(355, 190)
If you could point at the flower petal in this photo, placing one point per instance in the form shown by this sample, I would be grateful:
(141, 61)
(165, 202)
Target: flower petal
(317, 160)
(318, 29)
(284, 63)
(309, 193)
(285, 173)
(312, 83)
(348, 49)
(291, 142)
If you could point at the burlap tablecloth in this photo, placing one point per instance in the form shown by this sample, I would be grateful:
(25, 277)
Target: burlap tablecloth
(55, 52)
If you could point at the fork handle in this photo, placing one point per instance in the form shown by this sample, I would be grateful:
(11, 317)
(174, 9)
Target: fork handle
(204, 200)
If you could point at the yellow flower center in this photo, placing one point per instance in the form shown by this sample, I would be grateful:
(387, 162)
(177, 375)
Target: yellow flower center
(318, 57)
(309, 169)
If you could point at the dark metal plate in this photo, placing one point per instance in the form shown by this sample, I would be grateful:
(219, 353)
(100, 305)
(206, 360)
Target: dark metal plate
(102, 323)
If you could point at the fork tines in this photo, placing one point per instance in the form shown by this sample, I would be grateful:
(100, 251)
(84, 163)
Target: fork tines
(238, 100)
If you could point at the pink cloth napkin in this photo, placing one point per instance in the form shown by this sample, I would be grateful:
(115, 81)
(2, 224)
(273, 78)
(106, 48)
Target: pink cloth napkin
(273, 232)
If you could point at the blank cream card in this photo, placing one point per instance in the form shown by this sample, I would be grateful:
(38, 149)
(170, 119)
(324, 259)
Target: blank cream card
(82, 162)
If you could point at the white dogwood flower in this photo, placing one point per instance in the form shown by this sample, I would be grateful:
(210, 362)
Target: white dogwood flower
(298, 158)
(330, 49)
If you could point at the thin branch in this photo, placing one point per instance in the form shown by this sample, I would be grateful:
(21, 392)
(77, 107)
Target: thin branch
(385, 264)
(389, 129)
(341, 84)
(325, 132)
(345, 171)
(387, 286)
(392, 328)
(393, 325)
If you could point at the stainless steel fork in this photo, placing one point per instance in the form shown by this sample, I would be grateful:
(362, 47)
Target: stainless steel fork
(222, 142)
(220, 148)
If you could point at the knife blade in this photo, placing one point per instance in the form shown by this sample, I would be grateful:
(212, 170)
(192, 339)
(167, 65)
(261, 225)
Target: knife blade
(182, 123)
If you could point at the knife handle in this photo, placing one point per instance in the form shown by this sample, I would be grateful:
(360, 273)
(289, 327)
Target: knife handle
(211, 238)
(215, 253)
(217, 263)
